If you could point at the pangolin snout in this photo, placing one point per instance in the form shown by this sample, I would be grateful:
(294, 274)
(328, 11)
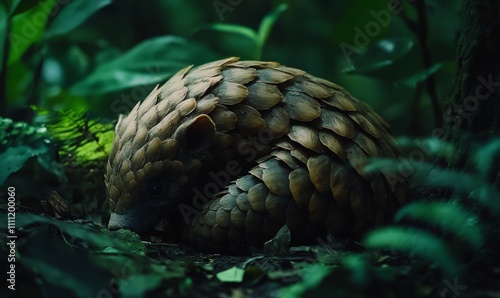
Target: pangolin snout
(131, 220)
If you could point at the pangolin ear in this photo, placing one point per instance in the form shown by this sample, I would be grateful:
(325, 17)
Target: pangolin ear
(197, 133)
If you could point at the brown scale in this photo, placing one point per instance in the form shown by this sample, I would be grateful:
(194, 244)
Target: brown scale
(291, 146)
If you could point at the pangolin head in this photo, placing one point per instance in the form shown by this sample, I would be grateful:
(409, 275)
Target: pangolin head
(151, 161)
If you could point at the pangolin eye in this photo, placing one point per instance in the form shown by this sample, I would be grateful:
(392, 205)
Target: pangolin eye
(157, 189)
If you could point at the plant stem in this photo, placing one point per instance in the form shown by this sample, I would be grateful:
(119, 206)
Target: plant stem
(34, 96)
(430, 82)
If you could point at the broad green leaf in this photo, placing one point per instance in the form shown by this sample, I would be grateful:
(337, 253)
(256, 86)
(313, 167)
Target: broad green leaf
(73, 15)
(13, 159)
(266, 26)
(447, 216)
(381, 55)
(414, 242)
(233, 274)
(152, 61)
(64, 270)
(420, 77)
(28, 28)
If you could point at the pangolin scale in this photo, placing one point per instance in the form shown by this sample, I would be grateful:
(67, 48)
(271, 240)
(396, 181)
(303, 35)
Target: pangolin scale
(231, 151)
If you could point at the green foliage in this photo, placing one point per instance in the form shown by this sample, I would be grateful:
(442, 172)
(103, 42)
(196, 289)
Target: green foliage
(73, 15)
(150, 62)
(446, 216)
(19, 142)
(25, 32)
(68, 259)
(67, 58)
(240, 40)
(375, 61)
(13, 159)
(420, 77)
(415, 242)
(81, 139)
(20, 133)
(465, 230)
(313, 277)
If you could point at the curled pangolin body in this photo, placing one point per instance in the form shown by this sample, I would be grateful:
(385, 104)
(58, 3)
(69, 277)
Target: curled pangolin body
(291, 146)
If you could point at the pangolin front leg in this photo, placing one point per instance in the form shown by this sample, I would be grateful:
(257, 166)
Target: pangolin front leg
(291, 146)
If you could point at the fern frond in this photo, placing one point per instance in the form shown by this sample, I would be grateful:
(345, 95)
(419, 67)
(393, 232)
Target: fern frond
(447, 216)
(81, 139)
(415, 242)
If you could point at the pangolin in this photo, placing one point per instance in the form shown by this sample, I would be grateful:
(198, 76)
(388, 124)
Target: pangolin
(231, 151)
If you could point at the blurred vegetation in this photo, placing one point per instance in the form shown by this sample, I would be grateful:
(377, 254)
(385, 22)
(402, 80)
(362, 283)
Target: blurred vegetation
(69, 68)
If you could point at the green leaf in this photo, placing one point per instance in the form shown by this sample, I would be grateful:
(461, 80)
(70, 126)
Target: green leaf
(358, 267)
(420, 77)
(90, 235)
(279, 244)
(28, 28)
(414, 242)
(13, 159)
(266, 26)
(384, 53)
(430, 147)
(64, 270)
(233, 29)
(149, 62)
(485, 155)
(229, 39)
(73, 15)
(237, 40)
(14, 133)
(447, 216)
(433, 176)
(425, 173)
(139, 285)
(233, 274)
(312, 277)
